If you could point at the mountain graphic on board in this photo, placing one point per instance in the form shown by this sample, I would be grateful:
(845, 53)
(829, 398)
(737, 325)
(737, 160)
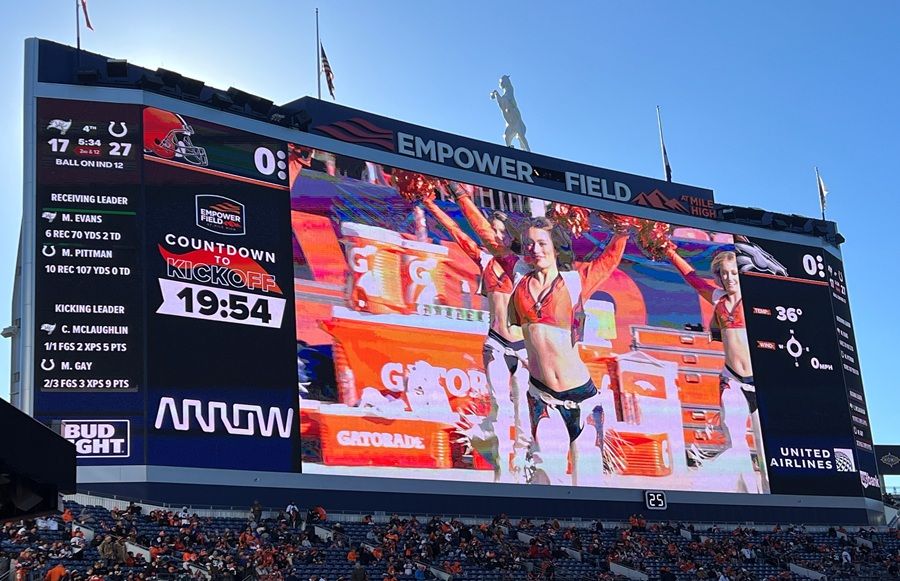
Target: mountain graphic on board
(656, 199)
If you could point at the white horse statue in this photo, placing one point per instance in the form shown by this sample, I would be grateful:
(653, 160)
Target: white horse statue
(515, 127)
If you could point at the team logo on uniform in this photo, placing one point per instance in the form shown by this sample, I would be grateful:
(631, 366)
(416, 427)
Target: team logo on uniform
(60, 125)
(220, 215)
(843, 460)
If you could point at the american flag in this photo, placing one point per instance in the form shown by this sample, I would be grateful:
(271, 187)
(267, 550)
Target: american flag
(326, 68)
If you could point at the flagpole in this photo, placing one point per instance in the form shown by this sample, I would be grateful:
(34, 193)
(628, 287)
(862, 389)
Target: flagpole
(77, 28)
(318, 56)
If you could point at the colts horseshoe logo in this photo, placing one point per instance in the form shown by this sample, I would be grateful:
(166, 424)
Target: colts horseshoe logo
(112, 125)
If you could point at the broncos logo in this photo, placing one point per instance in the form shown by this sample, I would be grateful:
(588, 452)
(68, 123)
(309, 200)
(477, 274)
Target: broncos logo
(752, 258)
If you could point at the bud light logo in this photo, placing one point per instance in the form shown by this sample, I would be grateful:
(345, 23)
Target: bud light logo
(99, 438)
(220, 215)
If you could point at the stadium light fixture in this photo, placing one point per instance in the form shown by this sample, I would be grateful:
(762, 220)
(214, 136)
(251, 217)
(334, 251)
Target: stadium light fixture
(300, 120)
(260, 106)
(116, 68)
(780, 223)
(191, 87)
(220, 100)
(87, 76)
(169, 78)
(239, 97)
(151, 82)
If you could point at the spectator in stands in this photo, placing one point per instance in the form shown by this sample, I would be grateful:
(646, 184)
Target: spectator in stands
(293, 514)
(184, 516)
(119, 551)
(134, 509)
(56, 573)
(78, 544)
(105, 548)
(359, 573)
(256, 512)
(419, 573)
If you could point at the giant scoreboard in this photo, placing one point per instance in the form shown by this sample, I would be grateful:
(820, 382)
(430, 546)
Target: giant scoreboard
(349, 302)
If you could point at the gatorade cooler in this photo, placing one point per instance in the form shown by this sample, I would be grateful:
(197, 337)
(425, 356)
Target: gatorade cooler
(374, 256)
(422, 273)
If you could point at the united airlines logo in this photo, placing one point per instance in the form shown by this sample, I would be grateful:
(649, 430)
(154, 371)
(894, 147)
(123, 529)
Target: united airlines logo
(800, 458)
(843, 460)
(237, 419)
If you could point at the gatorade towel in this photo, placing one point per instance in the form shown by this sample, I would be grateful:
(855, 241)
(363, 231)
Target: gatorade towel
(423, 278)
(397, 359)
(374, 259)
(348, 438)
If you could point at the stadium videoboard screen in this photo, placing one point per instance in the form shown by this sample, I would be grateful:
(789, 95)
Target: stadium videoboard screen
(213, 298)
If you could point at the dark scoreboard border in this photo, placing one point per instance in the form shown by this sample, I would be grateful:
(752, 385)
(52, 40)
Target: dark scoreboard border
(23, 354)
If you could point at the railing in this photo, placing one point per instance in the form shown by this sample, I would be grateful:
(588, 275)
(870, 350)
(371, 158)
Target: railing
(222, 511)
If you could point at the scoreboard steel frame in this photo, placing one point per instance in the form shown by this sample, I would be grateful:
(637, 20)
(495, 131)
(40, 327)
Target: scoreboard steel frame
(186, 483)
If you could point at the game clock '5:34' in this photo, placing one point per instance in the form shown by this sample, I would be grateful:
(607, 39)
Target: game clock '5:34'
(215, 304)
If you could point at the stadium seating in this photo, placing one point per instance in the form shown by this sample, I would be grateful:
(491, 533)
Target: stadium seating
(182, 545)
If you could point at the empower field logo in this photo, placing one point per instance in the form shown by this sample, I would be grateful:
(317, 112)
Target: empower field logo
(220, 215)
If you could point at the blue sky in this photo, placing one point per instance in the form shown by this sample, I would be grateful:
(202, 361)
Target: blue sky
(753, 95)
